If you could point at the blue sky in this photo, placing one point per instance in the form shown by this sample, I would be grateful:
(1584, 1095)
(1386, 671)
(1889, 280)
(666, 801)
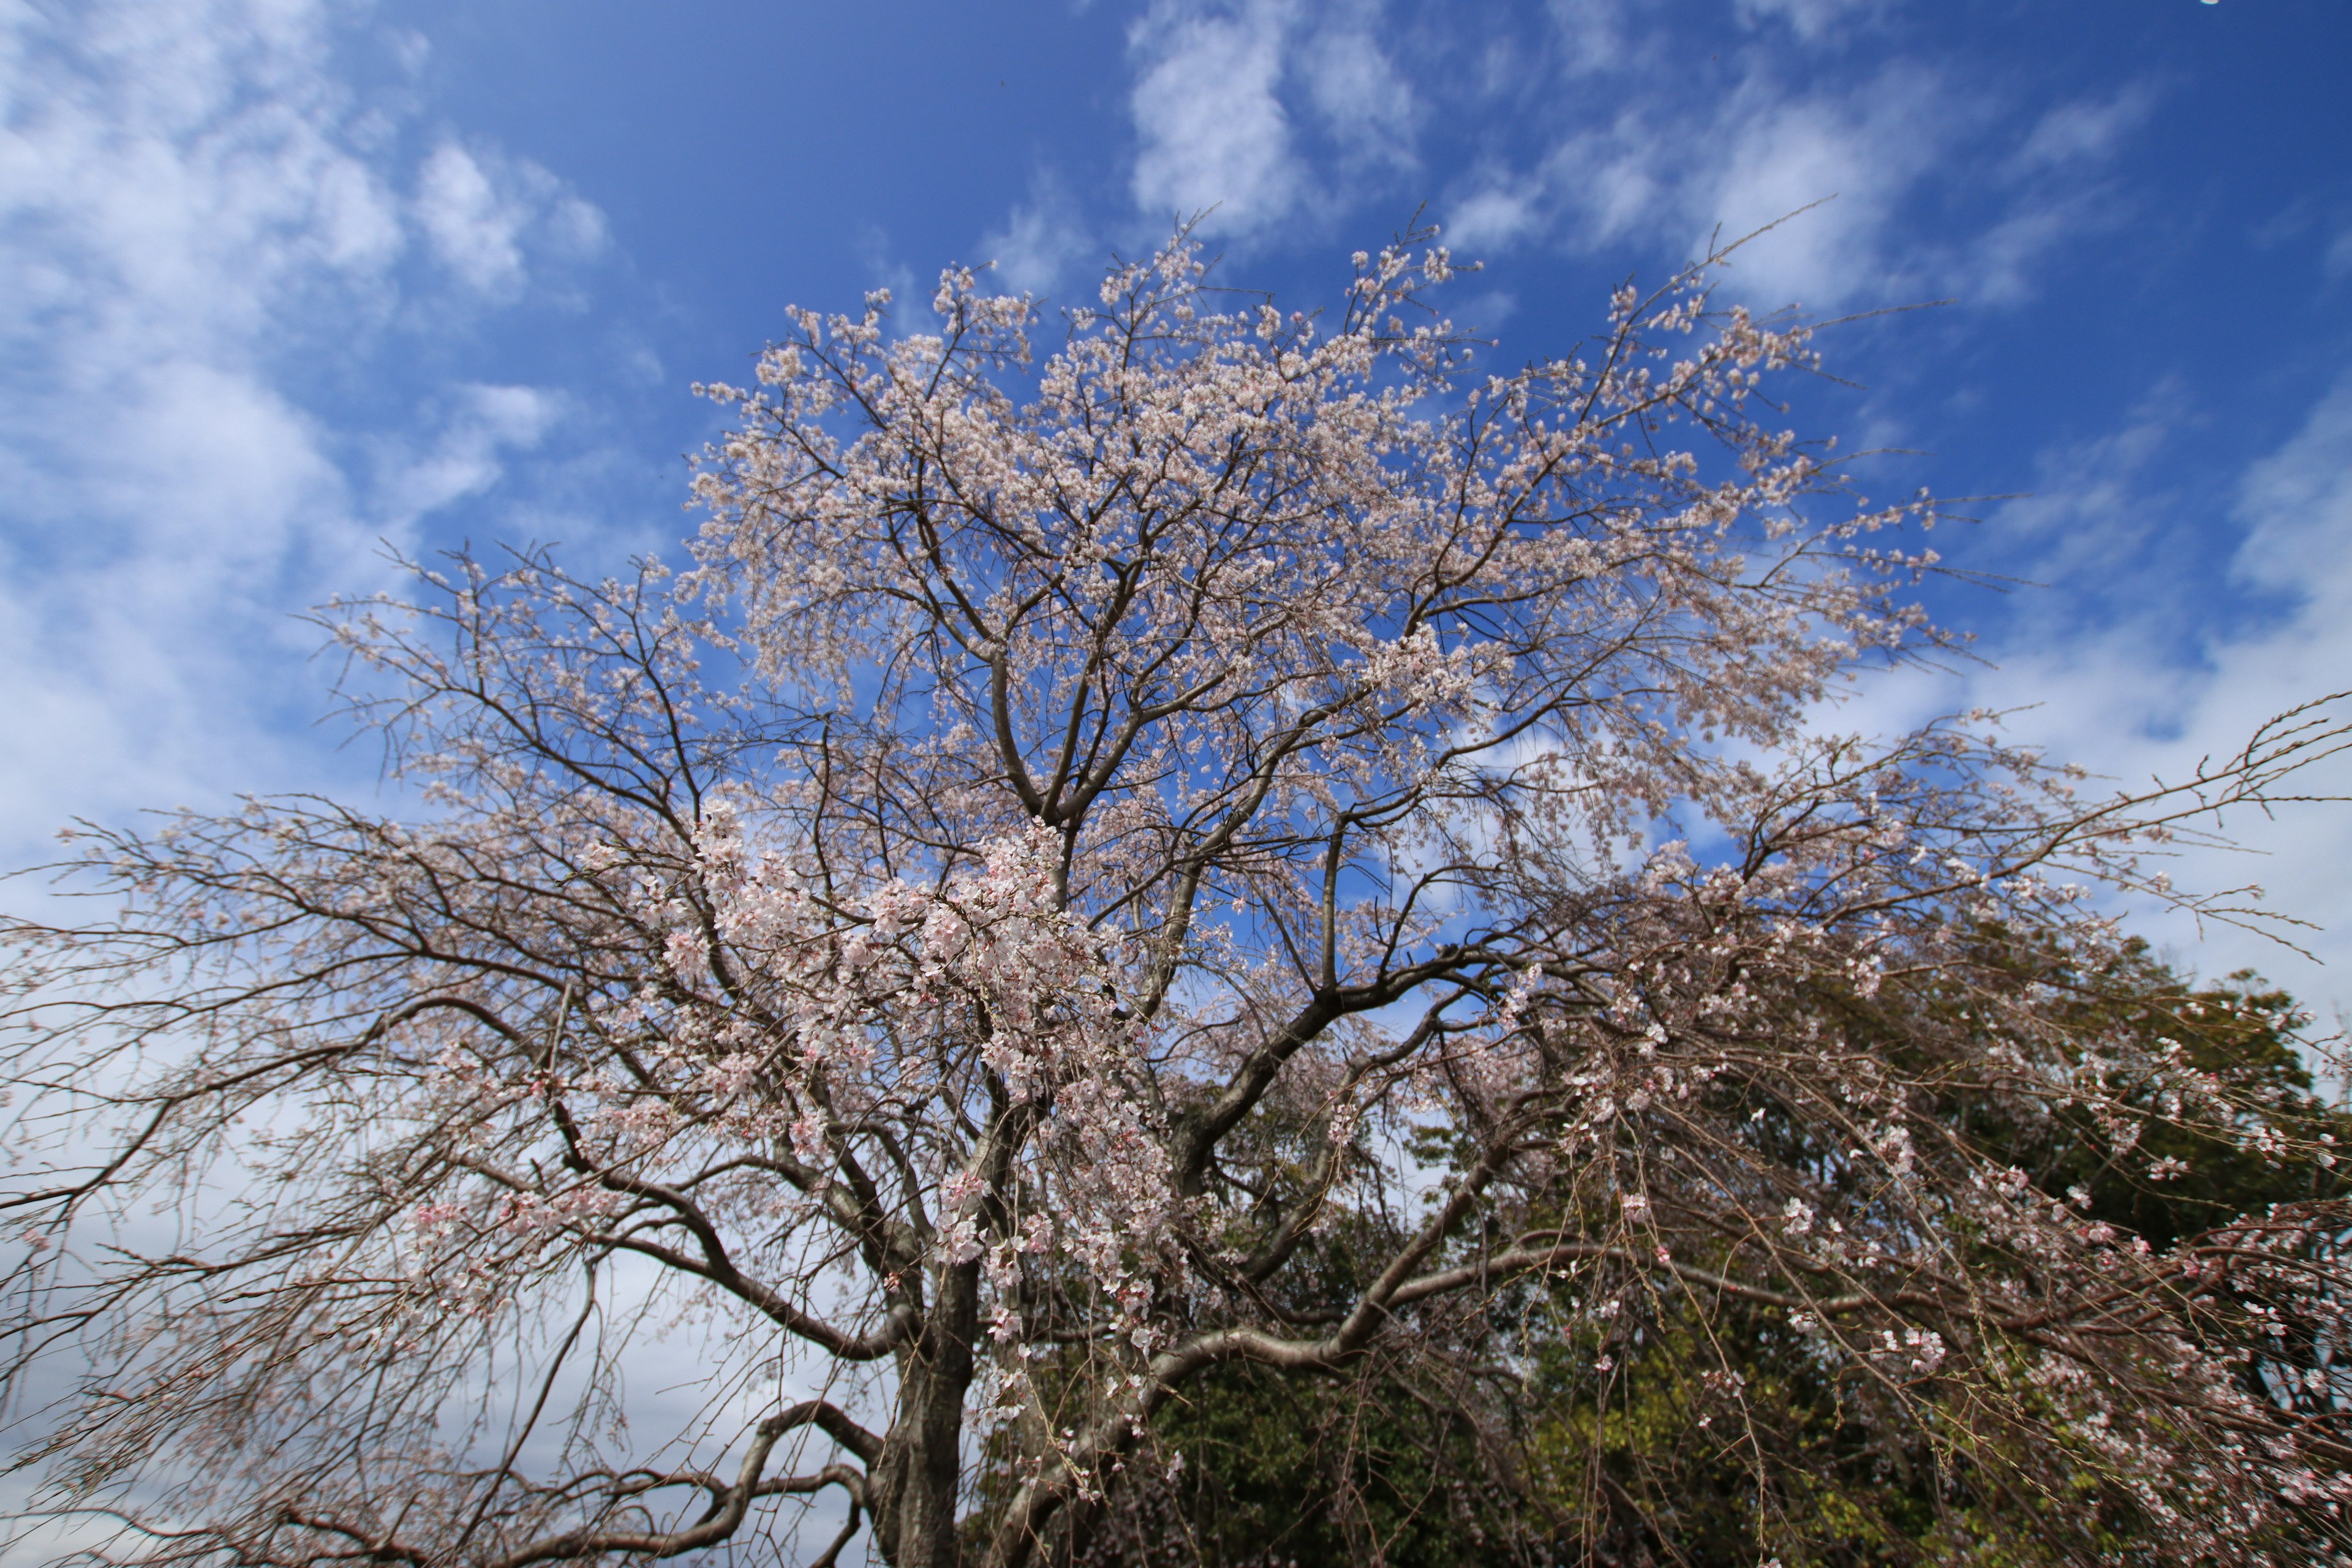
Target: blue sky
(283, 278)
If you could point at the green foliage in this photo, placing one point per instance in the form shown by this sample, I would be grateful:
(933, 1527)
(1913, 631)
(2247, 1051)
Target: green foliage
(2239, 1032)
(1379, 1468)
(1549, 1438)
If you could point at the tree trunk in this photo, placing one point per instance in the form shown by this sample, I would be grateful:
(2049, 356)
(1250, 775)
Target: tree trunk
(912, 1491)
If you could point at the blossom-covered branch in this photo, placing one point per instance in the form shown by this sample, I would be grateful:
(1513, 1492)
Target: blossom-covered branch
(1239, 840)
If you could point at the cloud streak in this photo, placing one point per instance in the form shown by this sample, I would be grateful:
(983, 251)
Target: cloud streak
(199, 223)
(480, 213)
(1041, 239)
(1917, 180)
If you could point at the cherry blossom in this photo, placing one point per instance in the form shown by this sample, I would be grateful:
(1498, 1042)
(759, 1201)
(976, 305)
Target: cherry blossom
(982, 935)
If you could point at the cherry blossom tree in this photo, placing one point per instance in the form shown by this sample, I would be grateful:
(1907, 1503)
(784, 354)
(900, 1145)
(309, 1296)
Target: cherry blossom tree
(1245, 841)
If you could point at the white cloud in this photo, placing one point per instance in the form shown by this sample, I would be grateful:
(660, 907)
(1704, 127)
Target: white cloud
(196, 219)
(1594, 34)
(136, 173)
(1858, 156)
(133, 643)
(2132, 696)
(1492, 218)
(467, 456)
(2086, 130)
(1041, 239)
(1808, 19)
(2338, 262)
(2297, 503)
(2090, 519)
(1653, 175)
(1209, 118)
(1367, 105)
(473, 231)
(478, 217)
(2306, 218)
(1862, 161)
(1999, 266)
(1236, 102)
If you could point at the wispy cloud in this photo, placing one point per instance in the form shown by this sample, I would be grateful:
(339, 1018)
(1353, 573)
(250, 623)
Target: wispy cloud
(198, 222)
(1595, 36)
(2098, 526)
(480, 213)
(2156, 680)
(1919, 181)
(2338, 262)
(1497, 214)
(1657, 174)
(1358, 94)
(1209, 119)
(2297, 506)
(477, 429)
(1236, 103)
(1859, 154)
(1042, 238)
(2087, 131)
(1809, 19)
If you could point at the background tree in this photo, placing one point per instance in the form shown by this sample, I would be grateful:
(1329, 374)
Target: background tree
(1223, 849)
(1497, 1444)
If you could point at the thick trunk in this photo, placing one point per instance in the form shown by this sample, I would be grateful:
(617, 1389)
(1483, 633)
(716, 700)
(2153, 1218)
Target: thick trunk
(912, 1491)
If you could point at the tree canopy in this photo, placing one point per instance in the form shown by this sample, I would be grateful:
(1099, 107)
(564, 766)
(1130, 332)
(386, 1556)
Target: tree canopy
(1504, 1443)
(1250, 852)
